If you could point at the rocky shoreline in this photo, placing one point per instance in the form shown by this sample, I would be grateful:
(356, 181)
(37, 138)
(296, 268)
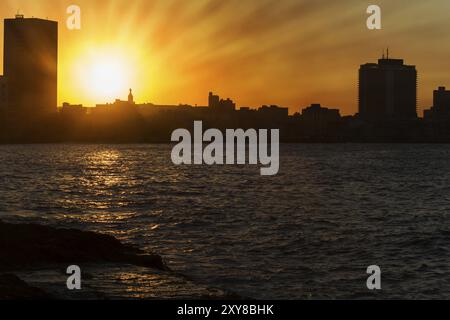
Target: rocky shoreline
(25, 248)
(28, 245)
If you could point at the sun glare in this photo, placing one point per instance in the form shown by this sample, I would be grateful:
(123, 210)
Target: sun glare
(106, 75)
(107, 78)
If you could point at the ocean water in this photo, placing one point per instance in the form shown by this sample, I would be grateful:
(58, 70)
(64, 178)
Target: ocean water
(308, 233)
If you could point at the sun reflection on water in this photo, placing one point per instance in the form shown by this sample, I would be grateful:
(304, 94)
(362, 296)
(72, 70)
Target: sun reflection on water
(104, 169)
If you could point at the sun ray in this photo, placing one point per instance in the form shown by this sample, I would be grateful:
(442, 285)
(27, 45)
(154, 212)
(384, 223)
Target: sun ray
(288, 52)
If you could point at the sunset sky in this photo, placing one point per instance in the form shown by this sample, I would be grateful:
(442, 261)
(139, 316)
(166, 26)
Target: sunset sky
(286, 52)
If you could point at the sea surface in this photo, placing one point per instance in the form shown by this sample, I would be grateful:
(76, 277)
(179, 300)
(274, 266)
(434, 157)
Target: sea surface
(308, 233)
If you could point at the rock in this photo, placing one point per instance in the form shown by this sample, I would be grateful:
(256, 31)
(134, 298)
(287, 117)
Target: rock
(30, 250)
(27, 245)
(13, 288)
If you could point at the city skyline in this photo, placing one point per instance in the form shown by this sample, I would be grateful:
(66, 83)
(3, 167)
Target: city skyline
(387, 89)
(243, 55)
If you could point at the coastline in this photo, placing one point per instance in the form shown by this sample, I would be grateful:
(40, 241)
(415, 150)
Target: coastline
(34, 258)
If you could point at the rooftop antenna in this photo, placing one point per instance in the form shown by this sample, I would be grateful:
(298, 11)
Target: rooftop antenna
(387, 53)
(383, 55)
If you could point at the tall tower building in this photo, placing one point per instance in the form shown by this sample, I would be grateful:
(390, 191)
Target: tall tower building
(30, 64)
(441, 99)
(441, 106)
(387, 90)
(3, 93)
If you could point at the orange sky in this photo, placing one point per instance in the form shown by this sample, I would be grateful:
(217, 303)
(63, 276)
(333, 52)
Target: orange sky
(286, 52)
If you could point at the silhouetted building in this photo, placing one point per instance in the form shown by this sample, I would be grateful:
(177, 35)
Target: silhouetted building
(320, 124)
(387, 90)
(125, 105)
(130, 97)
(441, 98)
(3, 93)
(73, 109)
(274, 112)
(30, 64)
(215, 102)
(317, 114)
(441, 105)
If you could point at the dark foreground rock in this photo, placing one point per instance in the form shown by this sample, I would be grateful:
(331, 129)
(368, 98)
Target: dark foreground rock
(34, 258)
(30, 246)
(13, 288)
(27, 245)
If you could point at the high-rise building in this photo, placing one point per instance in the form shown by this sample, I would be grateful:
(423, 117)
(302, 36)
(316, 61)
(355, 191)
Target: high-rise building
(441, 99)
(441, 106)
(3, 93)
(30, 64)
(387, 90)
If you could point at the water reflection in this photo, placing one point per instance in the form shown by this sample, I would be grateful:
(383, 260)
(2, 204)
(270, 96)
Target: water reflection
(332, 211)
(115, 281)
(103, 170)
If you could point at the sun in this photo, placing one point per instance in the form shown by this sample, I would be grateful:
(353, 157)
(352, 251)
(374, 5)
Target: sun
(106, 75)
(107, 78)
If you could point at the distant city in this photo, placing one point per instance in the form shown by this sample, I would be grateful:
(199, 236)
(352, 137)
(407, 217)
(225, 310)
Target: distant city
(29, 112)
